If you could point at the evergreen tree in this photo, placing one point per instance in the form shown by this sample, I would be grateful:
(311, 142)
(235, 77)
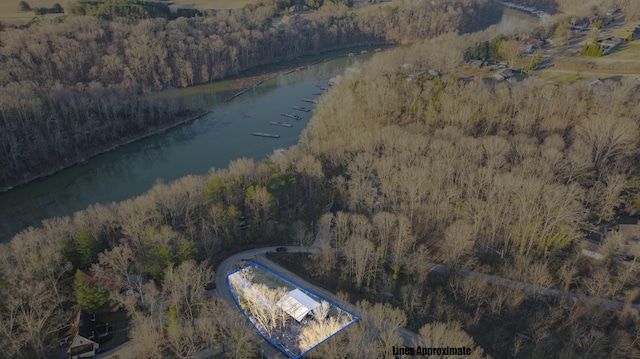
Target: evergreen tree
(585, 49)
(89, 295)
(57, 9)
(24, 6)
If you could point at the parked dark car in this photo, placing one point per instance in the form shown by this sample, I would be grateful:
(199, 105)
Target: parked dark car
(281, 249)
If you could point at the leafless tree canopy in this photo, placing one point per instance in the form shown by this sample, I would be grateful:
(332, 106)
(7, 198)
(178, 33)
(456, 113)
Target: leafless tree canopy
(497, 178)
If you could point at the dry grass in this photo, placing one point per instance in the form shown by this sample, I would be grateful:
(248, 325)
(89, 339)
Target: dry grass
(624, 29)
(605, 64)
(561, 76)
(9, 13)
(630, 51)
(209, 4)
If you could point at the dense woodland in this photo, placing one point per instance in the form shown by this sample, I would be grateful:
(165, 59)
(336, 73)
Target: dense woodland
(53, 73)
(498, 178)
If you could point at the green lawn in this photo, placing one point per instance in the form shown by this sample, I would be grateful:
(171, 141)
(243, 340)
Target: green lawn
(270, 280)
(210, 4)
(10, 13)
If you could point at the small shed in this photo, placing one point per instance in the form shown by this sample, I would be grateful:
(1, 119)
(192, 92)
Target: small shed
(503, 75)
(297, 304)
(593, 81)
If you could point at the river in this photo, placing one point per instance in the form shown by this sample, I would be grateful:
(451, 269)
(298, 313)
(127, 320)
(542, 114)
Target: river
(214, 140)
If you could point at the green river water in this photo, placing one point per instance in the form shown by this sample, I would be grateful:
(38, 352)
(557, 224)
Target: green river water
(214, 140)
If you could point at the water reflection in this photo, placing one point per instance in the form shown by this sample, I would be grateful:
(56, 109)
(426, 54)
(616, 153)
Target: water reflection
(211, 141)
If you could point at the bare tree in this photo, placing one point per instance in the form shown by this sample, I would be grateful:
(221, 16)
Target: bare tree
(359, 253)
(458, 241)
(448, 335)
(607, 137)
(185, 286)
(511, 51)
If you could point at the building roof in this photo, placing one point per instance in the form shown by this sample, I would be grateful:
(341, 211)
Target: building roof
(533, 42)
(84, 340)
(297, 304)
(593, 81)
(504, 74)
(85, 322)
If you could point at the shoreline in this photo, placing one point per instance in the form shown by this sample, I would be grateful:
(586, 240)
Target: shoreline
(242, 83)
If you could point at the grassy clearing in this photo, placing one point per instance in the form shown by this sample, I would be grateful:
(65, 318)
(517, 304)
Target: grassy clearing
(605, 65)
(10, 14)
(209, 4)
(271, 281)
(561, 77)
(629, 51)
(624, 29)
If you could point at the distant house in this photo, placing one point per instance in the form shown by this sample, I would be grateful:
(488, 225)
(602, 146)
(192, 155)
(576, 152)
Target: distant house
(530, 45)
(609, 44)
(611, 12)
(475, 63)
(86, 335)
(629, 231)
(592, 81)
(416, 75)
(503, 75)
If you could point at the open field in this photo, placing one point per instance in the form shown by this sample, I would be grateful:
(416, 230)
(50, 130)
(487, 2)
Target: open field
(629, 51)
(622, 30)
(606, 64)
(9, 13)
(557, 75)
(209, 4)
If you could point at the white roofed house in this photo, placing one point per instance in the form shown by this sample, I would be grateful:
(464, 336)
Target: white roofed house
(297, 304)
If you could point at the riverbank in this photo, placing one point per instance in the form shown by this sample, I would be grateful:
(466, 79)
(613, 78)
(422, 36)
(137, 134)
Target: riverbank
(233, 87)
(255, 76)
(188, 117)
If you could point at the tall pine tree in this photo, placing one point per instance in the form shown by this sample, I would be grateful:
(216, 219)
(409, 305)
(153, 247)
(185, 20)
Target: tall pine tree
(89, 295)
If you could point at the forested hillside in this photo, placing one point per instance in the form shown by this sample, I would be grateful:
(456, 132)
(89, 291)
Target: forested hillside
(500, 178)
(497, 178)
(53, 73)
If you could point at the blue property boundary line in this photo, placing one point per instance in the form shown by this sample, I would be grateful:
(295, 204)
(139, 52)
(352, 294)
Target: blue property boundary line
(235, 299)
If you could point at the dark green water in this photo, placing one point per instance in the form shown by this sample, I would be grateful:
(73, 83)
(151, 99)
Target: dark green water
(194, 148)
